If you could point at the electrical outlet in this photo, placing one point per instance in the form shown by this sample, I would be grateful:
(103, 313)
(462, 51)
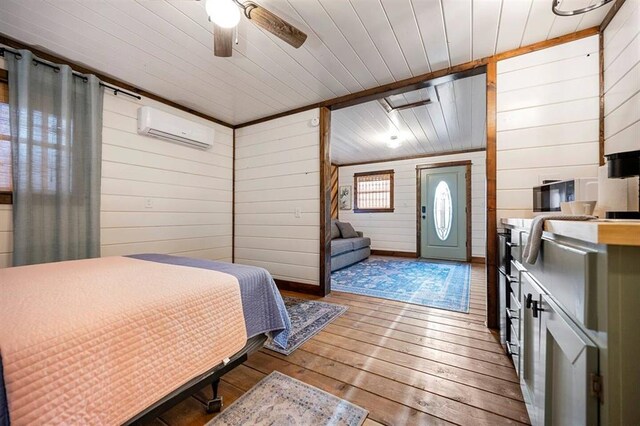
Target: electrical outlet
(297, 213)
(148, 203)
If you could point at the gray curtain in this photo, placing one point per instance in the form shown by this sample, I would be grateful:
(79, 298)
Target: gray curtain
(56, 142)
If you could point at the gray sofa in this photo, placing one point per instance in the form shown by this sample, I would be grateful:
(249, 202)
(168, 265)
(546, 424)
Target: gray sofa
(347, 251)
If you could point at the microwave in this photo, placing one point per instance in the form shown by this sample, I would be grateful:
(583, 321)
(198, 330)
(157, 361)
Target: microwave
(548, 196)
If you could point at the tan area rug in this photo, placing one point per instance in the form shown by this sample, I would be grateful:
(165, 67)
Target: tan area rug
(284, 401)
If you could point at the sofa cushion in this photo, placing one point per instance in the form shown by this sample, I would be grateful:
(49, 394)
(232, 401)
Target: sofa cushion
(339, 262)
(346, 230)
(335, 231)
(340, 246)
(361, 242)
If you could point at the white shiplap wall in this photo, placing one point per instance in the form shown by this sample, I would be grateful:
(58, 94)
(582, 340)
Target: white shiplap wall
(190, 191)
(397, 231)
(547, 123)
(622, 80)
(277, 172)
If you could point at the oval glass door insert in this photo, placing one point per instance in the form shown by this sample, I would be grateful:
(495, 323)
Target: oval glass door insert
(442, 210)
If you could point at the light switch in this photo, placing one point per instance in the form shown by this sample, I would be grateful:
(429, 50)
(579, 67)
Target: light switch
(298, 212)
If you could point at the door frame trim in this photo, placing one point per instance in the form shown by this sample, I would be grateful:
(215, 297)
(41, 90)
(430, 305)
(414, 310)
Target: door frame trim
(419, 168)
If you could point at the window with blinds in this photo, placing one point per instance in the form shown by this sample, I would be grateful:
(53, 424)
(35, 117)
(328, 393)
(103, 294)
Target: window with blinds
(373, 192)
(5, 142)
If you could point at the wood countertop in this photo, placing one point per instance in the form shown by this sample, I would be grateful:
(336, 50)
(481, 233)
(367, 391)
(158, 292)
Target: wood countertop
(602, 231)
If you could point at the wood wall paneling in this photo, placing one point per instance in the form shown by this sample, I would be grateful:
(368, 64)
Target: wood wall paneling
(278, 173)
(491, 253)
(613, 11)
(325, 201)
(335, 173)
(392, 253)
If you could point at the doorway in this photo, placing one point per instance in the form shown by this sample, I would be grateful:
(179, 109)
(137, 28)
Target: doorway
(444, 211)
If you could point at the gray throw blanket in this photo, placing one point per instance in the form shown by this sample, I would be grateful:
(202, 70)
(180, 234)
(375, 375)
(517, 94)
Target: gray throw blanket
(531, 250)
(262, 305)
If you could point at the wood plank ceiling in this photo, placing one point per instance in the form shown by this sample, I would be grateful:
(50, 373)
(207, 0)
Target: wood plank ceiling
(454, 121)
(165, 46)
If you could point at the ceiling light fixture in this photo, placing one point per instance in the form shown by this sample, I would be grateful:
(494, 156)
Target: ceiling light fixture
(224, 13)
(555, 6)
(394, 142)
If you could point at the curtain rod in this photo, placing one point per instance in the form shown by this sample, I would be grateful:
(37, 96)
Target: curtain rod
(115, 90)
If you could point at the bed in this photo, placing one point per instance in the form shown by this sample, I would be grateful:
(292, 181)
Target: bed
(117, 339)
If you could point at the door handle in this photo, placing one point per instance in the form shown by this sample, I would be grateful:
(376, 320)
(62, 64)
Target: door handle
(424, 209)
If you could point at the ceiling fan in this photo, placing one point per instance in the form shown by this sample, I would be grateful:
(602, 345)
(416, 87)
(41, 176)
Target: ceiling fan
(225, 15)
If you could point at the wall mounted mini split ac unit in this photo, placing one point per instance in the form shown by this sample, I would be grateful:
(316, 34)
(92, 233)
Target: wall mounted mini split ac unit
(163, 125)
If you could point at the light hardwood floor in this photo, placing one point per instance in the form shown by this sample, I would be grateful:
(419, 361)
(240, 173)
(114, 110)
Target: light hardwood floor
(406, 364)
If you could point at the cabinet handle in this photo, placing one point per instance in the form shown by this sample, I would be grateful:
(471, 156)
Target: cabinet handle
(536, 309)
(528, 301)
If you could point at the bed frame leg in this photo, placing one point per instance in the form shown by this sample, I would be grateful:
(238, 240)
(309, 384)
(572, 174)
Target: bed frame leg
(215, 404)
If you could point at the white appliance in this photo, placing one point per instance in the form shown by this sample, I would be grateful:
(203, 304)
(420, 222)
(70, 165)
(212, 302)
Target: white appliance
(163, 125)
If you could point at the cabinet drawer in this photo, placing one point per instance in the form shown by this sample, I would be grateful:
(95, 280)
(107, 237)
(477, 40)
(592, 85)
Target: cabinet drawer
(514, 322)
(515, 246)
(514, 305)
(515, 287)
(513, 349)
(515, 278)
(568, 274)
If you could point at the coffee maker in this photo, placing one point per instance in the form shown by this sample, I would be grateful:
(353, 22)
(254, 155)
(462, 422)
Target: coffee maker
(621, 165)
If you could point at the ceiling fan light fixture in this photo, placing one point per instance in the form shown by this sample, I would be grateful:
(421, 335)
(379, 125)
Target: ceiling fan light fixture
(224, 13)
(555, 7)
(394, 142)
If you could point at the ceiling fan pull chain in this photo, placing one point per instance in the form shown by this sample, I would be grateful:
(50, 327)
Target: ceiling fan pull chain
(235, 32)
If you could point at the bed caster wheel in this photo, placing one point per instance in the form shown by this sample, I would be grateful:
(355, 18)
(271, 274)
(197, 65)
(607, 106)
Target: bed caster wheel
(214, 405)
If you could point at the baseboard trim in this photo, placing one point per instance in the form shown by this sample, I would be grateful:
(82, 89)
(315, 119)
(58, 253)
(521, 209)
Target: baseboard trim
(392, 253)
(298, 287)
(478, 259)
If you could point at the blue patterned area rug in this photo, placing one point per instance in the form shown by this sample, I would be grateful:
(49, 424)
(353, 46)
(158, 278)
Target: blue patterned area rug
(438, 284)
(282, 400)
(308, 317)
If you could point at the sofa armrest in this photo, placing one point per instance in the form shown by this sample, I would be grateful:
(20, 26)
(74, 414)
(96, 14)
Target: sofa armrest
(360, 234)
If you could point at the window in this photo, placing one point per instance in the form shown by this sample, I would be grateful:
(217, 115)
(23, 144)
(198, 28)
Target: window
(373, 192)
(5, 142)
(442, 210)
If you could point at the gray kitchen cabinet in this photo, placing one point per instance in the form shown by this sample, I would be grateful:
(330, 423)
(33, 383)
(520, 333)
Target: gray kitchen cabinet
(574, 327)
(530, 344)
(567, 371)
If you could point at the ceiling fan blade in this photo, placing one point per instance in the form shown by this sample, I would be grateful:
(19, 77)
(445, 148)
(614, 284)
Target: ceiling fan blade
(222, 41)
(275, 25)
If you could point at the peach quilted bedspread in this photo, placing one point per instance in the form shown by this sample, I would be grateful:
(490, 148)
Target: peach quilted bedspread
(97, 341)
